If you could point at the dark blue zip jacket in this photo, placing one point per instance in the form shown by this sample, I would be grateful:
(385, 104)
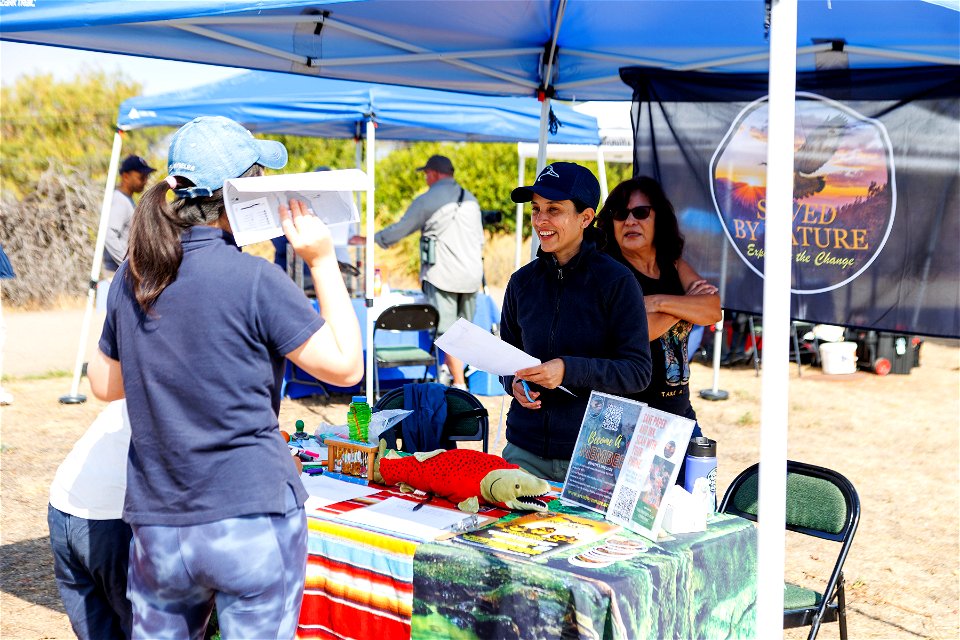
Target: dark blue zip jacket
(589, 313)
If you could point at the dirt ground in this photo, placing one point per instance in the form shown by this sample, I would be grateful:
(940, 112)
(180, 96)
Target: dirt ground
(894, 437)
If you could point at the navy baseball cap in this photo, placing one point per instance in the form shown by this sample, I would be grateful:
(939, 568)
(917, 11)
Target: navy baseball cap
(562, 181)
(440, 164)
(210, 150)
(136, 163)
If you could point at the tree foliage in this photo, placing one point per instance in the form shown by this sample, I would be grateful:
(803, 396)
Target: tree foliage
(54, 128)
(70, 122)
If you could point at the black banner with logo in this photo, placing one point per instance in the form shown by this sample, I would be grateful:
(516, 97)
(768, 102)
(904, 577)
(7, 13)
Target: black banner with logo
(876, 228)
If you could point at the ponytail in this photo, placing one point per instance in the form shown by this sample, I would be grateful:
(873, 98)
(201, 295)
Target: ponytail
(155, 250)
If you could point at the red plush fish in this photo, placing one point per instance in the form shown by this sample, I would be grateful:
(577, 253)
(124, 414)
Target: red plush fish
(464, 477)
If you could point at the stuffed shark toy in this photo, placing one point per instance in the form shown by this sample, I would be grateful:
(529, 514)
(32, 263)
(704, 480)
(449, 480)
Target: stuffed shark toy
(463, 476)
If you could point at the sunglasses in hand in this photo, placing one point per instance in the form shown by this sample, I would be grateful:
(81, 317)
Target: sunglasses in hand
(640, 213)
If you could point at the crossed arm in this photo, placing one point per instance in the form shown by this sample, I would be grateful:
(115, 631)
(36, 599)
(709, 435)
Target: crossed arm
(700, 303)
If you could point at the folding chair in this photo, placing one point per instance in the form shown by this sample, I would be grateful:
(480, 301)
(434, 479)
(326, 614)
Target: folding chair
(401, 318)
(467, 419)
(820, 503)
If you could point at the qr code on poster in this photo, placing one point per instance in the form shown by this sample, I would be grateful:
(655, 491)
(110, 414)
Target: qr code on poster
(622, 506)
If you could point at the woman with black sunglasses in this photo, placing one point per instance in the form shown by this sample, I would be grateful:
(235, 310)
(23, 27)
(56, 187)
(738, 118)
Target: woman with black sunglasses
(640, 229)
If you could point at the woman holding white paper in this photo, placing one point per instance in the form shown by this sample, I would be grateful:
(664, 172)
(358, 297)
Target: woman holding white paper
(196, 338)
(576, 310)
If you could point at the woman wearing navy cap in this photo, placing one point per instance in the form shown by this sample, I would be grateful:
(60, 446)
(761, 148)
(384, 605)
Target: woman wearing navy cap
(196, 339)
(579, 312)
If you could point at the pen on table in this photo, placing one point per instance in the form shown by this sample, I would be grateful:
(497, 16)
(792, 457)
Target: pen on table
(419, 505)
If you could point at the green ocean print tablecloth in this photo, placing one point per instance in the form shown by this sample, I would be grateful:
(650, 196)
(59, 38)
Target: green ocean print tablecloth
(697, 585)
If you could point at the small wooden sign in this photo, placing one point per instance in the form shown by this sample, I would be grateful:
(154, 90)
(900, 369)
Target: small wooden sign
(350, 457)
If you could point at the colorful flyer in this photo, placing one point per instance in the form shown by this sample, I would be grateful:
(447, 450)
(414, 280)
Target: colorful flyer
(651, 466)
(607, 428)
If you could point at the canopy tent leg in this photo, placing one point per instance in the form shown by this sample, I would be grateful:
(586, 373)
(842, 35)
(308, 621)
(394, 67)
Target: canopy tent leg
(715, 393)
(602, 172)
(776, 318)
(541, 161)
(521, 170)
(368, 258)
(75, 397)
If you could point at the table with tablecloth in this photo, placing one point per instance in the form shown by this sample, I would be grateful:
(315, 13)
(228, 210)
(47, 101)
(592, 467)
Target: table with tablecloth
(368, 584)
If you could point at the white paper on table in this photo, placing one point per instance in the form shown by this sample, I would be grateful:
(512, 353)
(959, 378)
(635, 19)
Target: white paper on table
(397, 515)
(481, 349)
(325, 491)
(253, 203)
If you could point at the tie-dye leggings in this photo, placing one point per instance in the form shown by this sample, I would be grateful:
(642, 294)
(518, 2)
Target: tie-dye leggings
(252, 567)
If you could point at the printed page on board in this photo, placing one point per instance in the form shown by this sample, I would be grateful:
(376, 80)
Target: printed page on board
(605, 432)
(253, 203)
(650, 467)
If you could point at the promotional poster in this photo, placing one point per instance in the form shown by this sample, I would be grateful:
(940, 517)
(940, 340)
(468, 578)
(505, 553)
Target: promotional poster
(876, 193)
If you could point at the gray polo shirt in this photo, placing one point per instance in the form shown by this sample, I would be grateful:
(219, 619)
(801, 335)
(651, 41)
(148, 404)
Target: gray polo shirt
(458, 231)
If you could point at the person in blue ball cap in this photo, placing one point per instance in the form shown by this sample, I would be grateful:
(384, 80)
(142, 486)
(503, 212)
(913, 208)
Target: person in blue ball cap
(196, 337)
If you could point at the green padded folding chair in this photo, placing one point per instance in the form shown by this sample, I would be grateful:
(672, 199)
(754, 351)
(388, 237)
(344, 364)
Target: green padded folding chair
(467, 419)
(397, 319)
(820, 503)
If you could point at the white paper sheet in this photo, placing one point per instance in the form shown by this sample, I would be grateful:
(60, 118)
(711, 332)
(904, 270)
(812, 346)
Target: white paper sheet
(481, 349)
(397, 515)
(253, 203)
(325, 491)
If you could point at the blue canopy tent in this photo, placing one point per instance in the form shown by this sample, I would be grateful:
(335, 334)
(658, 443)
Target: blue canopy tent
(288, 104)
(550, 48)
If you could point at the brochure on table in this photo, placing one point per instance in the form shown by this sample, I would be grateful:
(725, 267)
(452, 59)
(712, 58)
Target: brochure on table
(626, 457)
(538, 534)
(253, 203)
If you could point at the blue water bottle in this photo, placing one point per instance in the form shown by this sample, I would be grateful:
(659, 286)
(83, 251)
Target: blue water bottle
(701, 462)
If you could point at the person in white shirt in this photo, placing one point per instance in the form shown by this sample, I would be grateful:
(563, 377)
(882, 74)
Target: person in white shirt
(89, 540)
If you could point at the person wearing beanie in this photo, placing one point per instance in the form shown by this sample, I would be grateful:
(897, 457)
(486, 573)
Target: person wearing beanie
(196, 338)
(578, 311)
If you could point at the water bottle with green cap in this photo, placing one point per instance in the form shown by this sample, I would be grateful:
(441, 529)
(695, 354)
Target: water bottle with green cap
(358, 419)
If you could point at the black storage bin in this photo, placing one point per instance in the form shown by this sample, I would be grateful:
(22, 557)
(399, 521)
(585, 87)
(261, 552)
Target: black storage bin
(885, 353)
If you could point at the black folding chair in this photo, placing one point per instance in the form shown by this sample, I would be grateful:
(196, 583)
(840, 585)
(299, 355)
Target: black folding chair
(400, 318)
(467, 418)
(820, 503)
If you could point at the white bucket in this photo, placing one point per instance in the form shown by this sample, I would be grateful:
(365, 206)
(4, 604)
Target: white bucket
(838, 357)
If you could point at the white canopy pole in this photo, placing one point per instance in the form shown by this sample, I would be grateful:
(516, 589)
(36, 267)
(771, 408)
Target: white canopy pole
(776, 318)
(541, 161)
(522, 162)
(368, 258)
(602, 172)
(75, 397)
(715, 392)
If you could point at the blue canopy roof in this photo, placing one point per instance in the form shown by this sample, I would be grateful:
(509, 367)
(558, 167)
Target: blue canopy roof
(283, 103)
(498, 47)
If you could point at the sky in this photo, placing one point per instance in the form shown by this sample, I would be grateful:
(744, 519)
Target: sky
(162, 76)
(156, 76)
